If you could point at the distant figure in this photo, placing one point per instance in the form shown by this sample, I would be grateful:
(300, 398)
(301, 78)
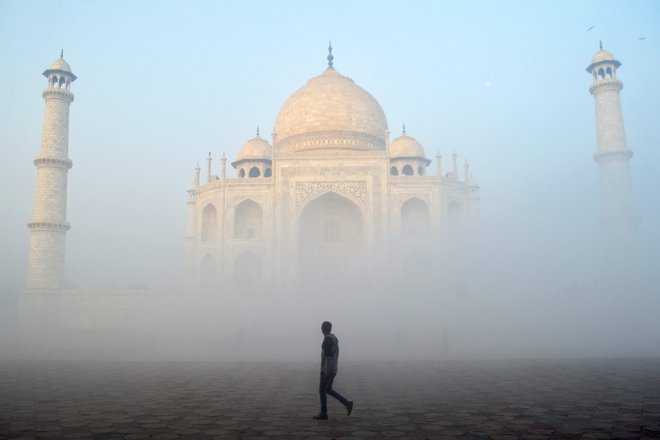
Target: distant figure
(329, 359)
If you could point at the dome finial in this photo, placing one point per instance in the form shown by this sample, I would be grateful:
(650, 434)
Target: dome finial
(62, 54)
(330, 57)
(404, 128)
(257, 131)
(600, 42)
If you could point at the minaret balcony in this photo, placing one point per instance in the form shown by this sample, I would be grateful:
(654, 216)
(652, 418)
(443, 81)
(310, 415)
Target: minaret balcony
(58, 94)
(605, 156)
(49, 226)
(53, 162)
(605, 84)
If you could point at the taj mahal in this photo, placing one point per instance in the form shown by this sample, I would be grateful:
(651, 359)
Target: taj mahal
(332, 195)
(325, 197)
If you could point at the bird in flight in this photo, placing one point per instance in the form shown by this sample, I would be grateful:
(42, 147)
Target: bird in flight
(590, 28)
(642, 38)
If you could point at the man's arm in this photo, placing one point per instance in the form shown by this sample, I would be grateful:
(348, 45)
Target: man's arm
(328, 347)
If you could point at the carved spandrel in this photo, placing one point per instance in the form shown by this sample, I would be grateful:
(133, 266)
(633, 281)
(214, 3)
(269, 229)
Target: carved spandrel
(356, 191)
(236, 198)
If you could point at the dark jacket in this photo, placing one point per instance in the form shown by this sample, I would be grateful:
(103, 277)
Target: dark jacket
(329, 354)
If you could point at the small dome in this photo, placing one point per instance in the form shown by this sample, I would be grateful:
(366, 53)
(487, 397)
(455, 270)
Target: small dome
(602, 55)
(60, 64)
(256, 148)
(331, 111)
(406, 146)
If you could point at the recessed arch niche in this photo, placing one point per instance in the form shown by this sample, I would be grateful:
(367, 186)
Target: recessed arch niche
(415, 219)
(209, 223)
(248, 220)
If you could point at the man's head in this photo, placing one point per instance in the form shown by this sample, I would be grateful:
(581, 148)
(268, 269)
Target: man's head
(326, 327)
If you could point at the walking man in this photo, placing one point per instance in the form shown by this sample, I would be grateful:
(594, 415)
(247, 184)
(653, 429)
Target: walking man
(329, 359)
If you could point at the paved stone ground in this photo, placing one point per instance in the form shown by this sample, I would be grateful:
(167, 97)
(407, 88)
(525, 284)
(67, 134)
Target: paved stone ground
(590, 399)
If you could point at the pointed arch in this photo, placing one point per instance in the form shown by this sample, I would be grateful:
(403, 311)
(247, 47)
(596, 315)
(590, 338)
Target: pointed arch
(254, 172)
(394, 171)
(415, 218)
(248, 220)
(209, 223)
(331, 237)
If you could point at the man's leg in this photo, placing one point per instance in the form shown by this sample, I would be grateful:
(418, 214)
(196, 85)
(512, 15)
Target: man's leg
(332, 392)
(323, 386)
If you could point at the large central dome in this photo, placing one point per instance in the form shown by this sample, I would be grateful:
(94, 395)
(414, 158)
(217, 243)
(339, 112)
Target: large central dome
(330, 112)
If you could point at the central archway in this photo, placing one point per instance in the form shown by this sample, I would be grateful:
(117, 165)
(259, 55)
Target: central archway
(331, 238)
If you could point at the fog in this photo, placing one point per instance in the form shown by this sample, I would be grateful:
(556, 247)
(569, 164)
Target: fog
(530, 276)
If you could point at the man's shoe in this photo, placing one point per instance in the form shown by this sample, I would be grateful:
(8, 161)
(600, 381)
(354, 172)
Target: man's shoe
(320, 416)
(349, 407)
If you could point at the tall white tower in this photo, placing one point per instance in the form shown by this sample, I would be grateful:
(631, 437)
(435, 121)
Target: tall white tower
(619, 216)
(48, 224)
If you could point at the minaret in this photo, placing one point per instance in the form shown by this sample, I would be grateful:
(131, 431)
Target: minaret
(612, 155)
(48, 224)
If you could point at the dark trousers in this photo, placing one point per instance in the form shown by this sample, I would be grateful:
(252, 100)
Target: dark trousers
(325, 387)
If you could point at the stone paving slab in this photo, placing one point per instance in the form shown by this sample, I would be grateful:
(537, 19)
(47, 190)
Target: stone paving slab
(541, 399)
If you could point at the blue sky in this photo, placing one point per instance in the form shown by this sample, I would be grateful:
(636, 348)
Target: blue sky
(161, 83)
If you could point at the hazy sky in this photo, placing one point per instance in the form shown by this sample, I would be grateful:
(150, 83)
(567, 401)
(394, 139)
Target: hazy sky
(162, 83)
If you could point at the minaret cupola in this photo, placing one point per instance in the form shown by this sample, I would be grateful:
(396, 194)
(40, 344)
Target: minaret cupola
(603, 66)
(59, 74)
